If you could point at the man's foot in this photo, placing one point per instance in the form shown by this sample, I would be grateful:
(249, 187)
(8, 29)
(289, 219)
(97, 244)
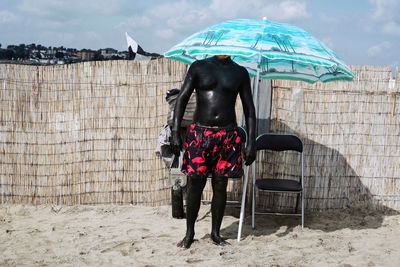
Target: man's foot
(219, 241)
(186, 242)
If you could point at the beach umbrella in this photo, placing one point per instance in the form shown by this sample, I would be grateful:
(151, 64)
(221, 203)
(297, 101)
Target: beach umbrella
(267, 49)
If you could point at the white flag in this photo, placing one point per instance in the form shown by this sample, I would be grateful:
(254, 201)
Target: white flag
(132, 43)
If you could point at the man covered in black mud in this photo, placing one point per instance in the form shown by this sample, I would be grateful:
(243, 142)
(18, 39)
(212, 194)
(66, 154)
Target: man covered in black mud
(213, 143)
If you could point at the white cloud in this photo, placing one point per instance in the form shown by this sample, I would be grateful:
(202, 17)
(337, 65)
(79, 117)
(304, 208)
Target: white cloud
(165, 33)
(7, 17)
(185, 17)
(175, 20)
(170, 21)
(275, 10)
(64, 10)
(330, 19)
(377, 50)
(139, 22)
(385, 9)
(226, 9)
(91, 35)
(386, 13)
(179, 15)
(288, 10)
(328, 42)
(392, 28)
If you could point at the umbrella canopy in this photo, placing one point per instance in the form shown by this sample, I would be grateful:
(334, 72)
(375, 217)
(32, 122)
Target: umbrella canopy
(269, 49)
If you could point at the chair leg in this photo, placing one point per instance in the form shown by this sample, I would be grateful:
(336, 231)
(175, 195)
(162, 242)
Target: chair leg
(297, 203)
(253, 205)
(302, 210)
(253, 219)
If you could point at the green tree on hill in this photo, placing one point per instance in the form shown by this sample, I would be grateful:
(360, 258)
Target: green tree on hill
(59, 55)
(20, 52)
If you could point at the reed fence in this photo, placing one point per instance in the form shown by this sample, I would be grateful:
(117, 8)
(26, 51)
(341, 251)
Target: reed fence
(351, 132)
(86, 134)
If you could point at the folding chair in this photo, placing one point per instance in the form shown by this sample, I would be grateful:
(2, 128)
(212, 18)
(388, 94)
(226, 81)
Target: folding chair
(279, 143)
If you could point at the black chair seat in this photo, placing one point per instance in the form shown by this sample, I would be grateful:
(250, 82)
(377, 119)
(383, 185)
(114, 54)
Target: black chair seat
(278, 185)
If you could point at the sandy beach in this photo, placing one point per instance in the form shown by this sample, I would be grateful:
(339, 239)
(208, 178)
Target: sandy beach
(110, 235)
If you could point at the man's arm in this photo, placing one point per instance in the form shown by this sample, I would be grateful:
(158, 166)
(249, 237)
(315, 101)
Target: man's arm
(187, 89)
(250, 117)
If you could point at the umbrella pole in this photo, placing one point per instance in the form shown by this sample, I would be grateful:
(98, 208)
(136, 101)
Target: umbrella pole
(256, 86)
(255, 91)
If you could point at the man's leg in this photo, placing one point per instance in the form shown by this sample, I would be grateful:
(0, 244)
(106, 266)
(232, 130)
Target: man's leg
(195, 188)
(218, 204)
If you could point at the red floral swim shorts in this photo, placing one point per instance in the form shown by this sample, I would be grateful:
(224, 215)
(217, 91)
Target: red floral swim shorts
(215, 151)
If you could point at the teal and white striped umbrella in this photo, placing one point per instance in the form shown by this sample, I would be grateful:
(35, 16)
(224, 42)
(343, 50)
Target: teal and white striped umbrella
(269, 49)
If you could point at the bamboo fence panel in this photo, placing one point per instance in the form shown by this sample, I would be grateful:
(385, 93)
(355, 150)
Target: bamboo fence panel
(84, 133)
(351, 133)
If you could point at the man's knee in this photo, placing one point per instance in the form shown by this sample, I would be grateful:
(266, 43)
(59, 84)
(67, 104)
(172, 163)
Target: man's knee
(219, 184)
(196, 183)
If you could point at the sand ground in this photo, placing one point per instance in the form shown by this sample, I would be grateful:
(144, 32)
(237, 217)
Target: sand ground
(112, 235)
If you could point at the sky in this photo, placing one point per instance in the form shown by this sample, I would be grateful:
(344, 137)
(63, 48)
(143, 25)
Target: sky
(361, 32)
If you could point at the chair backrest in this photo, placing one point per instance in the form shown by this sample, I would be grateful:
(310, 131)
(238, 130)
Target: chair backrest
(279, 142)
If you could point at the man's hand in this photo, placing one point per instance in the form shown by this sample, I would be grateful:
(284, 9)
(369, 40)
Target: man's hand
(176, 143)
(250, 154)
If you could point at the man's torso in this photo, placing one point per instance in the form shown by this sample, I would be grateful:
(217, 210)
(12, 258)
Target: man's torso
(217, 85)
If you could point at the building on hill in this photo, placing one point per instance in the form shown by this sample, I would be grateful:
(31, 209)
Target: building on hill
(108, 53)
(86, 54)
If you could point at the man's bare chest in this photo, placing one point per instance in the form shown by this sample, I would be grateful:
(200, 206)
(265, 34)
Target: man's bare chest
(218, 79)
